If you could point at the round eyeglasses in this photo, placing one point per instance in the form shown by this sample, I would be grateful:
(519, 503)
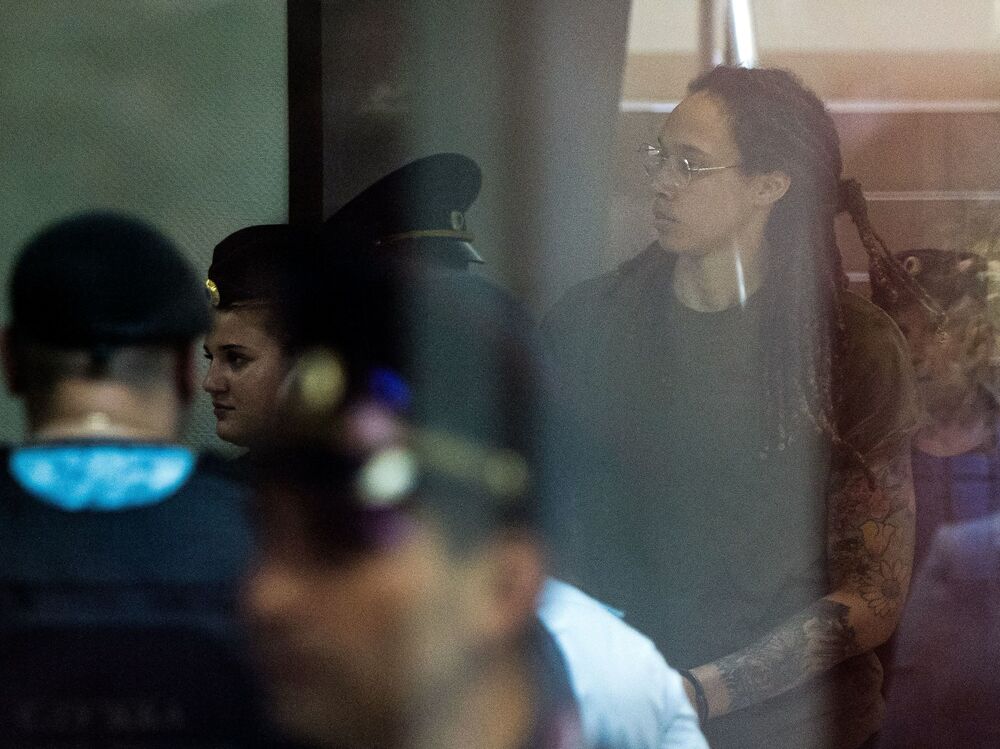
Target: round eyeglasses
(678, 169)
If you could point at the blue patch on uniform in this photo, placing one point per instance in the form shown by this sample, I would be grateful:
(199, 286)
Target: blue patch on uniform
(101, 478)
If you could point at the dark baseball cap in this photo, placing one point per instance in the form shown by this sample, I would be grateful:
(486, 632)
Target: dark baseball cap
(105, 279)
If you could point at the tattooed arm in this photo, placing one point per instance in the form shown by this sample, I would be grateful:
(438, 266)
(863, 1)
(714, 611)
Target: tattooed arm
(870, 550)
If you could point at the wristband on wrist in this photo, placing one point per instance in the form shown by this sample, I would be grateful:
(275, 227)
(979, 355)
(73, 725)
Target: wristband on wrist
(700, 701)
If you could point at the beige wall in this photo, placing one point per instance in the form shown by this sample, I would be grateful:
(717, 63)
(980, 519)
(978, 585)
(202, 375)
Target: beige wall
(844, 49)
(830, 25)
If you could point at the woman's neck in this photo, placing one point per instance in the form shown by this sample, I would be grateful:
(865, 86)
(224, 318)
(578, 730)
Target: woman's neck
(717, 281)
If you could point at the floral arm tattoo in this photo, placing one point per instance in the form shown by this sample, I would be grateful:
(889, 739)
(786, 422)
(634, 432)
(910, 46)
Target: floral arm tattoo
(869, 552)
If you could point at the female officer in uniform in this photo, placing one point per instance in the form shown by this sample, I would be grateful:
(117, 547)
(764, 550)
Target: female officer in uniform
(254, 283)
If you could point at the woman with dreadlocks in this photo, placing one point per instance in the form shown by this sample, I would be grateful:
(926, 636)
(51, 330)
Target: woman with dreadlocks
(757, 516)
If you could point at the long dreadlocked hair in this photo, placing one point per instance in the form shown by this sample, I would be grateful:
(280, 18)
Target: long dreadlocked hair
(780, 125)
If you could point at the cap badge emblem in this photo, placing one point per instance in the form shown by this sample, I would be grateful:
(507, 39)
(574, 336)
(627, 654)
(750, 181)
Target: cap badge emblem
(213, 292)
(458, 221)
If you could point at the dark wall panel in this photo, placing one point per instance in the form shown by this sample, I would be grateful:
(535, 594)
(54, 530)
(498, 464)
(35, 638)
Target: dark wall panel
(528, 89)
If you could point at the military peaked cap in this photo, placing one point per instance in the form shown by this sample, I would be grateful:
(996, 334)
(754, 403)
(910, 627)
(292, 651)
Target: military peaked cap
(265, 263)
(421, 205)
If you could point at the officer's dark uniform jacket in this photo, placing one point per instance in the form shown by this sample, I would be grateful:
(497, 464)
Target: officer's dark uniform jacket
(123, 536)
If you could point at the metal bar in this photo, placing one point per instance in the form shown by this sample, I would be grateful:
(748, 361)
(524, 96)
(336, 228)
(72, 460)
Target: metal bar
(743, 41)
(720, 41)
(712, 33)
(305, 111)
(706, 34)
(916, 106)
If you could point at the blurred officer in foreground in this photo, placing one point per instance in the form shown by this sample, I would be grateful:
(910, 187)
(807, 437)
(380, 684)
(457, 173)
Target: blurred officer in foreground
(119, 548)
(394, 601)
(415, 217)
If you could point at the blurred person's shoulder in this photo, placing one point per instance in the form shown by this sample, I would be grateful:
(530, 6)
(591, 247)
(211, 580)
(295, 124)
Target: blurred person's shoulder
(878, 408)
(946, 688)
(618, 281)
(591, 305)
(208, 515)
(221, 484)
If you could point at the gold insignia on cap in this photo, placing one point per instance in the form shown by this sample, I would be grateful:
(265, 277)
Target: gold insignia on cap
(912, 265)
(458, 221)
(213, 292)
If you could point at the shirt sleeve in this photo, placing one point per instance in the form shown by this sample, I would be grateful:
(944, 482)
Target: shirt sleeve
(680, 722)
(629, 698)
(878, 409)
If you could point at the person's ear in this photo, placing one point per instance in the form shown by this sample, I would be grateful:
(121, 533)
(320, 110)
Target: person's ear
(186, 374)
(770, 187)
(514, 570)
(9, 363)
